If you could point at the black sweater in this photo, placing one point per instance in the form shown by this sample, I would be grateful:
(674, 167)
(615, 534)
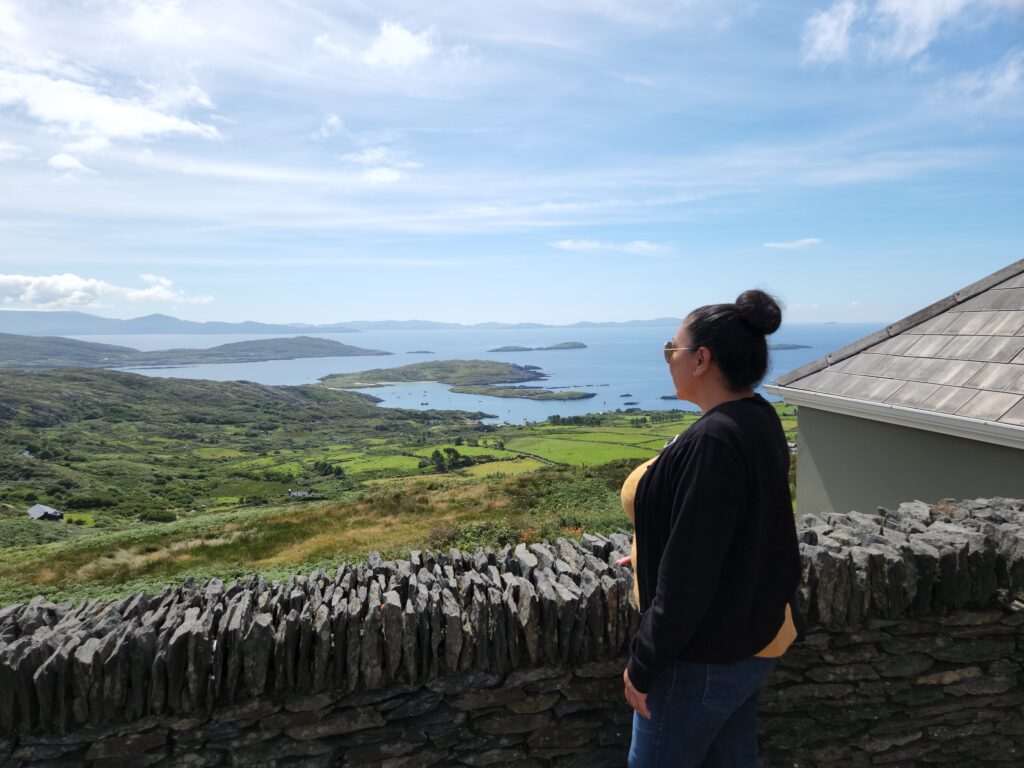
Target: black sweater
(717, 552)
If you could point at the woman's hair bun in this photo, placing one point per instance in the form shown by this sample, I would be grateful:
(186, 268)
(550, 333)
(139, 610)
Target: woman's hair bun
(759, 311)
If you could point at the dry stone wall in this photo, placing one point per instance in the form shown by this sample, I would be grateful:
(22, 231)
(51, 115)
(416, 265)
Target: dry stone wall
(913, 656)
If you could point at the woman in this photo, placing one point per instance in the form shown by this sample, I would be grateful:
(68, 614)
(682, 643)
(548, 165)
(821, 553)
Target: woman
(716, 556)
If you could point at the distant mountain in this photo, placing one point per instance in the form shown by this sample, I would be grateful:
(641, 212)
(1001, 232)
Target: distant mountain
(41, 352)
(32, 323)
(398, 325)
(35, 323)
(424, 325)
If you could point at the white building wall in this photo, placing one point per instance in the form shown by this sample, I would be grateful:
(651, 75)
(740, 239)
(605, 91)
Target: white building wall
(846, 463)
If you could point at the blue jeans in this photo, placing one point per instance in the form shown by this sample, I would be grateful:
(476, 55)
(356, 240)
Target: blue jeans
(701, 715)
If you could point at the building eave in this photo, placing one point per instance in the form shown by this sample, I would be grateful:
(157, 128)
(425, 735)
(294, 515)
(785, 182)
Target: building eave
(908, 322)
(992, 432)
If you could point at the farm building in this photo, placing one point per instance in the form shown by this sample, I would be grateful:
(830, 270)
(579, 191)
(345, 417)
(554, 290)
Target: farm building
(300, 494)
(43, 512)
(928, 408)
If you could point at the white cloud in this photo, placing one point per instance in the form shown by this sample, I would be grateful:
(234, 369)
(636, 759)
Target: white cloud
(637, 247)
(398, 48)
(83, 110)
(369, 156)
(989, 87)
(911, 25)
(69, 290)
(331, 126)
(893, 29)
(325, 44)
(89, 145)
(826, 35)
(68, 164)
(170, 98)
(379, 156)
(164, 21)
(382, 176)
(9, 21)
(803, 242)
(10, 151)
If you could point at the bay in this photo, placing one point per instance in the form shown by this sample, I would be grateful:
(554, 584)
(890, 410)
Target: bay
(623, 366)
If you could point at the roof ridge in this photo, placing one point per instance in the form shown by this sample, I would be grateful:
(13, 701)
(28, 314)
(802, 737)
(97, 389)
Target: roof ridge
(916, 318)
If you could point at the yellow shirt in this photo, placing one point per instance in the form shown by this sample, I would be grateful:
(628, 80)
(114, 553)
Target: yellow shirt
(787, 632)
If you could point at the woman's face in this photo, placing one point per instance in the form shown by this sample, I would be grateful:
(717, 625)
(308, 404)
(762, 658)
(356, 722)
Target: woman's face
(681, 364)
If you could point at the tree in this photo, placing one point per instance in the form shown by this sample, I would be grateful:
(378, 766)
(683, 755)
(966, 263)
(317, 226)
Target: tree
(437, 460)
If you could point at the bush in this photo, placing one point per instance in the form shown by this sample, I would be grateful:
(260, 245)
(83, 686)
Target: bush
(158, 516)
(473, 535)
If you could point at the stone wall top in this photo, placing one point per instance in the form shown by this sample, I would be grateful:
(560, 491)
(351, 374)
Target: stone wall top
(196, 648)
(917, 560)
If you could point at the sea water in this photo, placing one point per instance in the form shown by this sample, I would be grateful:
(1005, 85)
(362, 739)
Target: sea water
(623, 367)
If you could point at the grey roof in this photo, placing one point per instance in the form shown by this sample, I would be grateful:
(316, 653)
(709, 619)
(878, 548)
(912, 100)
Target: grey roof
(962, 356)
(38, 511)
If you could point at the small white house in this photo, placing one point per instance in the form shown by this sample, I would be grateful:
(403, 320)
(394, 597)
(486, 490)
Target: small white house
(43, 512)
(300, 494)
(930, 407)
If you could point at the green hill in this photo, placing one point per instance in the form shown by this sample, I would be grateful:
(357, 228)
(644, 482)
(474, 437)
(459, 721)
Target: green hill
(42, 352)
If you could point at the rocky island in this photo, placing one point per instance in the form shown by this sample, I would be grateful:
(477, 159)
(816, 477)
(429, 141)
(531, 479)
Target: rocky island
(551, 348)
(469, 377)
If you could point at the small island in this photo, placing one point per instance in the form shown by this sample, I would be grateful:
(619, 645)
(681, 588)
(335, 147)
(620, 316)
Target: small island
(419, 352)
(553, 347)
(788, 346)
(42, 352)
(468, 377)
(528, 393)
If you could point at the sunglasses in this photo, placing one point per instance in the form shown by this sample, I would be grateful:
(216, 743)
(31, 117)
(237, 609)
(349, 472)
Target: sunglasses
(670, 347)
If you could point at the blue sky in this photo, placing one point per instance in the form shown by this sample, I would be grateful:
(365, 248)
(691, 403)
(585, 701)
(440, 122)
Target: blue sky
(546, 161)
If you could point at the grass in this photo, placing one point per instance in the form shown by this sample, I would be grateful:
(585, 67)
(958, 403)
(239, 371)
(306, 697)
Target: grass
(577, 452)
(437, 512)
(177, 478)
(512, 467)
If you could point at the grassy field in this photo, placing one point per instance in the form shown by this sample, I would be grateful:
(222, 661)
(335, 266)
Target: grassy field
(162, 479)
(437, 512)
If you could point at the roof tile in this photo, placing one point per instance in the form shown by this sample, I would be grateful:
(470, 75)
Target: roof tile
(897, 345)
(962, 347)
(970, 323)
(871, 388)
(1015, 415)
(1001, 297)
(866, 364)
(937, 324)
(955, 372)
(912, 394)
(927, 346)
(1005, 323)
(989, 406)
(1013, 282)
(998, 349)
(999, 377)
(947, 399)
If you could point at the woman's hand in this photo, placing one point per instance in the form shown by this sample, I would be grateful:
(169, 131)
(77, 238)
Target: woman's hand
(625, 562)
(637, 700)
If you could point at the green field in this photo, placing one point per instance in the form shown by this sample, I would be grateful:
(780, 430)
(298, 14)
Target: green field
(160, 479)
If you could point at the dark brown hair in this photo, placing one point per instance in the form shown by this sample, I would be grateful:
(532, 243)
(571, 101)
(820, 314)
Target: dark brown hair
(735, 334)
